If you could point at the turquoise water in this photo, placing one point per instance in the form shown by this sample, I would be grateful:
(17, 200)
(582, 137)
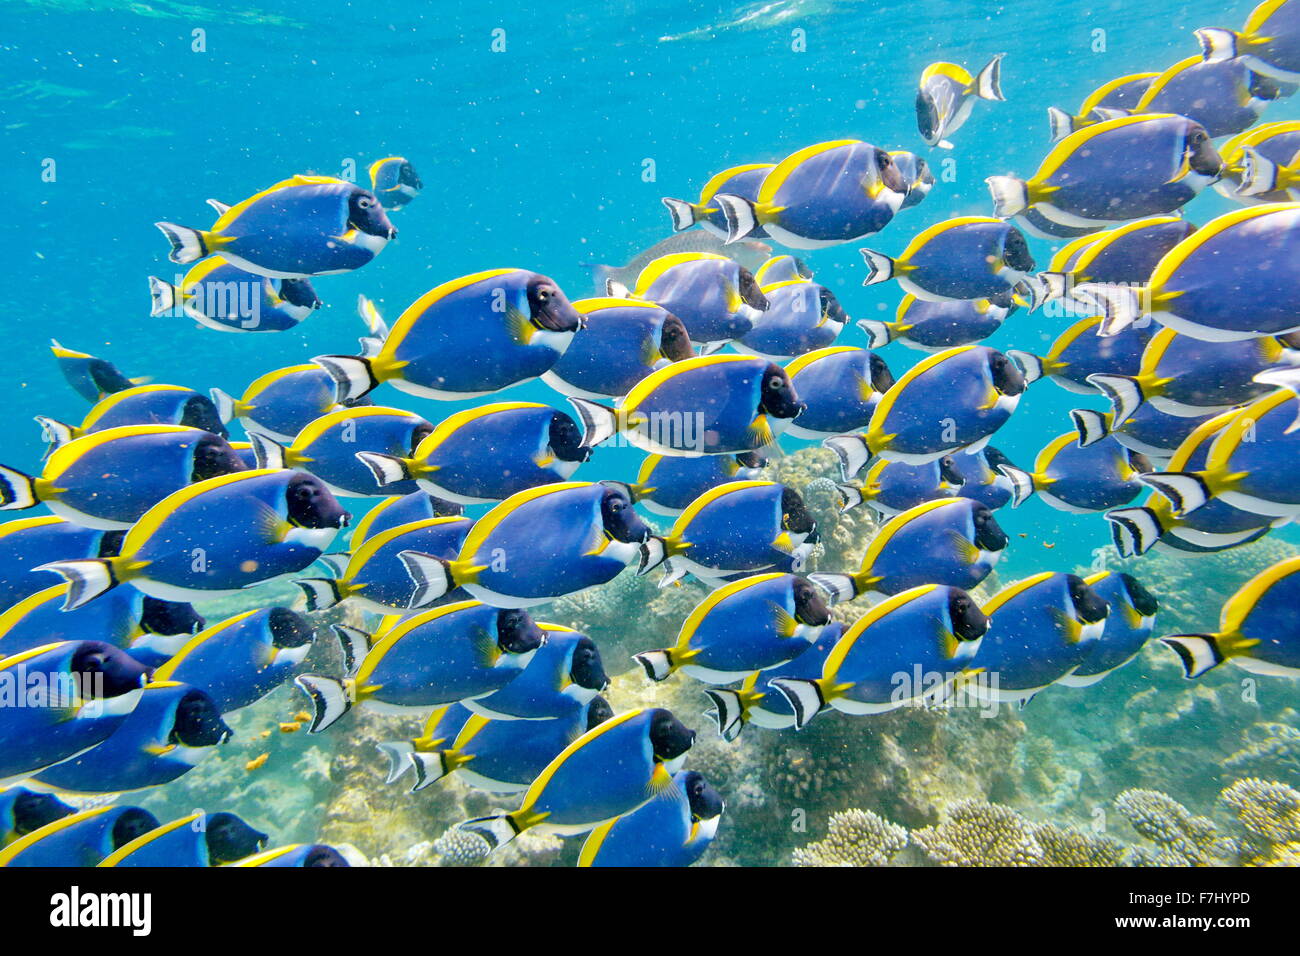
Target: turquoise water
(534, 157)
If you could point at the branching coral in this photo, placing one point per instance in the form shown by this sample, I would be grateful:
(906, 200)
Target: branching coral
(1181, 838)
(1270, 813)
(1269, 747)
(977, 833)
(854, 838)
(1063, 846)
(461, 848)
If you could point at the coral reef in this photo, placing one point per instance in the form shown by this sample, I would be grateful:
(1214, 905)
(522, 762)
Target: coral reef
(1270, 813)
(1180, 838)
(854, 838)
(976, 833)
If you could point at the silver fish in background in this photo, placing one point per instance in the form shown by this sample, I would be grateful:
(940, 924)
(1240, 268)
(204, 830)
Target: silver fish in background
(750, 253)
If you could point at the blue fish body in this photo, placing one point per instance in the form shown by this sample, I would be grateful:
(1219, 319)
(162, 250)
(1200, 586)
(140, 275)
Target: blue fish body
(801, 316)
(972, 257)
(1126, 632)
(388, 513)
(28, 543)
(328, 448)
(892, 487)
(154, 405)
(704, 290)
(982, 482)
(661, 833)
(509, 754)
(934, 326)
(283, 402)
(224, 297)
(80, 840)
(544, 690)
(377, 580)
(839, 385)
(39, 619)
(737, 528)
(675, 482)
(620, 346)
(769, 708)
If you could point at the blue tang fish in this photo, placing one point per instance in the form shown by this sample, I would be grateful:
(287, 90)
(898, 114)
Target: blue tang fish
(197, 839)
(946, 95)
(1128, 627)
(892, 487)
(623, 342)
(1080, 479)
(801, 316)
(29, 543)
(141, 405)
(749, 625)
(1079, 353)
(79, 839)
(23, 811)
(125, 618)
(951, 541)
(567, 669)
(982, 477)
(300, 227)
(216, 536)
(671, 831)
(1224, 96)
(667, 485)
(226, 298)
(310, 855)
(1126, 253)
(1121, 93)
(609, 771)
(466, 338)
(486, 454)
(904, 650)
(394, 181)
(282, 402)
(1269, 42)
(240, 660)
(714, 296)
(970, 257)
(935, 326)
(401, 509)
(109, 479)
(94, 379)
(1150, 432)
(442, 656)
(841, 386)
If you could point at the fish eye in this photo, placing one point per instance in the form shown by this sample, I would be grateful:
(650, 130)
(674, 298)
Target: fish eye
(365, 202)
(775, 383)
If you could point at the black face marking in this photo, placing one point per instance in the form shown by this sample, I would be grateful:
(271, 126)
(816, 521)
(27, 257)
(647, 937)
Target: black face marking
(704, 801)
(989, 535)
(968, 622)
(321, 855)
(169, 617)
(32, 810)
(230, 838)
(199, 412)
(809, 604)
(669, 739)
(419, 433)
(1143, 600)
(927, 115)
(213, 457)
(121, 673)
(1006, 374)
(749, 290)
(366, 214)
(299, 292)
(311, 505)
(586, 669)
(778, 395)
(131, 823)
(288, 628)
(548, 307)
(198, 722)
(948, 471)
(565, 439)
(598, 711)
(882, 379)
(674, 340)
(1015, 251)
(1088, 605)
(517, 633)
(620, 519)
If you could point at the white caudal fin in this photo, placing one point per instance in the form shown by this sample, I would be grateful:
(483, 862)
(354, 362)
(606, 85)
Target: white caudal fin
(1186, 490)
(742, 218)
(163, 296)
(1134, 530)
(497, 830)
(850, 497)
(429, 768)
(673, 572)
(988, 82)
(376, 327)
(616, 290)
(1104, 113)
(657, 664)
(880, 268)
(683, 213)
(599, 422)
(1125, 394)
(187, 243)
(804, 696)
(398, 753)
(355, 644)
(1217, 44)
(838, 587)
(329, 700)
(879, 334)
(1258, 173)
(1010, 195)
(654, 552)
(87, 579)
(431, 576)
(219, 207)
(54, 431)
(1029, 363)
(1197, 652)
(1119, 306)
(387, 469)
(1060, 123)
(1052, 285)
(1022, 484)
(352, 375)
(1287, 377)
(322, 593)
(1091, 426)
(370, 346)
(269, 453)
(225, 407)
(728, 712)
(17, 490)
(852, 451)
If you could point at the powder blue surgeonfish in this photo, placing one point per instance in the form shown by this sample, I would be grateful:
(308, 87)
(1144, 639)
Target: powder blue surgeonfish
(1262, 165)
(76, 694)
(841, 387)
(801, 316)
(892, 487)
(982, 477)
(110, 478)
(749, 625)
(486, 454)
(375, 578)
(79, 839)
(94, 379)
(743, 181)
(23, 810)
(609, 771)
(282, 402)
(1080, 479)
(197, 839)
(1079, 352)
(671, 831)
(1257, 628)
(226, 298)
(1114, 171)
(822, 195)
(738, 528)
(1040, 630)
(308, 855)
(1128, 627)
(904, 650)
(715, 297)
(141, 405)
(394, 181)
(1224, 96)
(300, 227)
(152, 630)
(708, 405)
(466, 338)
(667, 484)
(328, 448)
(172, 729)
(1269, 42)
(241, 659)
(401, 509)
(951, 541)
(756, 701)
(916, 173)
(216, 536)
(29, 543)
(1121, 93)
(538, 545)
(623, 342)
(498, 756)
(970, 257)
(566, 670)
(935, 326)
(947, 93)
(446, 655)
(1154, 434)
(782, 268)
(1127, 253)
(951, 401)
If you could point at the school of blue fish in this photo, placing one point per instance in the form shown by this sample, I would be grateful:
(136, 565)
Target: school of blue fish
(475, 521)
